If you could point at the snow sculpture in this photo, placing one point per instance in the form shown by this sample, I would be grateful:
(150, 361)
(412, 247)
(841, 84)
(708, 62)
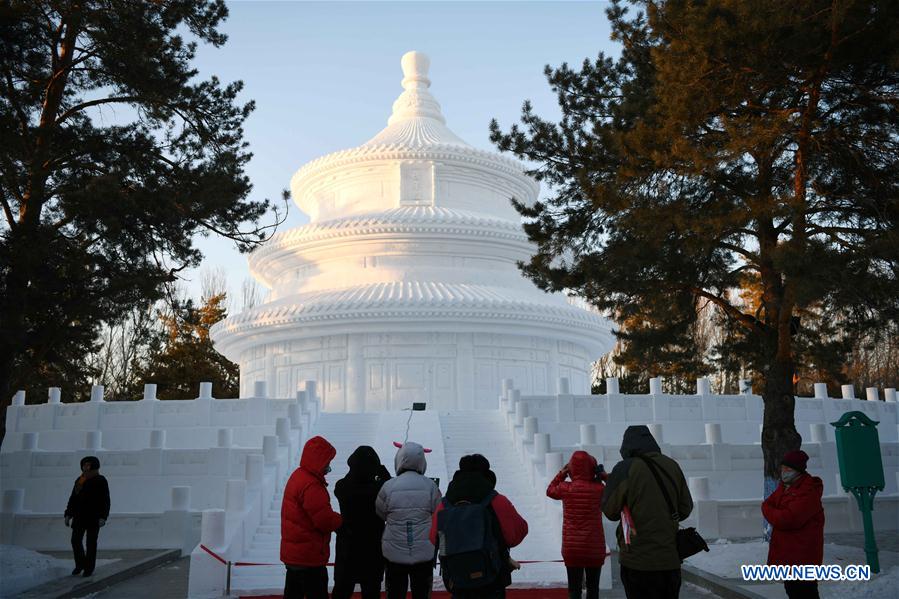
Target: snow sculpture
(404, 285)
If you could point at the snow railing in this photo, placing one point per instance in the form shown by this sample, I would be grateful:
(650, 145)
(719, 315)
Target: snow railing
(177, 527)
(725, 478)
(135, 424)
(226, 533)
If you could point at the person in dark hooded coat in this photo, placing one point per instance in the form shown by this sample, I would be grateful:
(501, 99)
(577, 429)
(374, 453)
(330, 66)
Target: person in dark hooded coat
(87, 512)
(358, 556)
(650, 564)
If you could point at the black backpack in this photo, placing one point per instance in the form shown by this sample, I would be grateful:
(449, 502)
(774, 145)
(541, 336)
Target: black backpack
(470, 555)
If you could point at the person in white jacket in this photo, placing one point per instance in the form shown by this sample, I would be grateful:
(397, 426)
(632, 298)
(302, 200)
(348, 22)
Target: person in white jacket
(406, 503)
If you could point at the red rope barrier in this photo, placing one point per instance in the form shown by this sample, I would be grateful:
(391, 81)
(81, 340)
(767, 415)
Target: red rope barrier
(245, 564)
(213, 553)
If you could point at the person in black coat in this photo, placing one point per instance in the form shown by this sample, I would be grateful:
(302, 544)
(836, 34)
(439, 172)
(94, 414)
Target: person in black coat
(358, 556)
(86, 513)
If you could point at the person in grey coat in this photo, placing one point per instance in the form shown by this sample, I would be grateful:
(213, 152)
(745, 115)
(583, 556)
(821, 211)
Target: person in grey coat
(406, 504)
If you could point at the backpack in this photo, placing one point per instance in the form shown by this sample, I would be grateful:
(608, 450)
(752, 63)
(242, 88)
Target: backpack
(470, 555)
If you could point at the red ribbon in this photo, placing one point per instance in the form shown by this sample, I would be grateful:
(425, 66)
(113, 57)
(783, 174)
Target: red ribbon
(213, 553)
(238, 564)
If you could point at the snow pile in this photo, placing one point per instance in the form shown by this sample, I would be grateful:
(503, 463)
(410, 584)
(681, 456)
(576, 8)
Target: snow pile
(22, 569)
(725, 558)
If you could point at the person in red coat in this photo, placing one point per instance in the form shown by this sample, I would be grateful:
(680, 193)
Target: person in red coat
(307, 522)
(472, 483)
(796, 515)
(583, 541)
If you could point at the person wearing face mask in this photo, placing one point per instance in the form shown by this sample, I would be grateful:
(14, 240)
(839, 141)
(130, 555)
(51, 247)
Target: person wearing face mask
(307, 522)
(86, 513)
(796, 515)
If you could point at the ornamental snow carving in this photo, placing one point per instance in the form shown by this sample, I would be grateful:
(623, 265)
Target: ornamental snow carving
(408, 265)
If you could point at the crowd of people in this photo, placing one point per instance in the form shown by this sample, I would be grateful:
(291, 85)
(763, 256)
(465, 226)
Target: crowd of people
(397, 528)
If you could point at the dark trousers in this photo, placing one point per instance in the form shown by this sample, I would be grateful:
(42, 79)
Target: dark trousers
(482, 594)
(306, 583)
(344, 587)
(85, 561)
(401, 576)
(650, 584)
(576, 582)
(801, 589)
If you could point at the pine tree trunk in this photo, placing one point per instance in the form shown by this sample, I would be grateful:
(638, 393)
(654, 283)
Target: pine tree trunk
(779, 429)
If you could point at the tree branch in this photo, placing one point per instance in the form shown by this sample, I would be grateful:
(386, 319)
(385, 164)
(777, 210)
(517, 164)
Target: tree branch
(747, 321)
(97, 102)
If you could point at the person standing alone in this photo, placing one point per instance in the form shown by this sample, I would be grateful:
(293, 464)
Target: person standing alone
(86, 513)
(796, 514)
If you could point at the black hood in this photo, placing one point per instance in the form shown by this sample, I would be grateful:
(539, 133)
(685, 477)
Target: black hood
(364, 463)
(638, 440)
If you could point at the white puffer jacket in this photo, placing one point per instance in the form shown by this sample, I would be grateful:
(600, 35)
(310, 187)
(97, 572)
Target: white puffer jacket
(406, 504)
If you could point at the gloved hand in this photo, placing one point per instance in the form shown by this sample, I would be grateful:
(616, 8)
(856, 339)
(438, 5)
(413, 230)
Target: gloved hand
(102, 522)
(68, 521)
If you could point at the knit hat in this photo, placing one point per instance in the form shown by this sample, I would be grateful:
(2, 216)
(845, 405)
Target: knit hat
(477, 463)
(796, 459)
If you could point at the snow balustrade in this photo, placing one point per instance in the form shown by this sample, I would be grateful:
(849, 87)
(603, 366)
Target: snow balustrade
(714, 438)
(168, 463)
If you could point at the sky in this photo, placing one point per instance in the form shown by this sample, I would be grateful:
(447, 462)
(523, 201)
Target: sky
(325, 74)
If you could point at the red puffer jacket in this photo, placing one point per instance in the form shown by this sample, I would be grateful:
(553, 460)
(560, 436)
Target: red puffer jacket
(797, 516)
(307, 519)
(583, 542)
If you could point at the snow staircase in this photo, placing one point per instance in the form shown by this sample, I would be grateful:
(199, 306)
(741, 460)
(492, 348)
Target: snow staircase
(345, 432)
(449, 435)
(486, 432)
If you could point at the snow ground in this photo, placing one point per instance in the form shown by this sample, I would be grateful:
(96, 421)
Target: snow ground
(726, 557)
(22, 569)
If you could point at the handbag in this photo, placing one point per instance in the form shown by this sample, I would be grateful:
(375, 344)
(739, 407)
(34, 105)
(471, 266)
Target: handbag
(688, 540)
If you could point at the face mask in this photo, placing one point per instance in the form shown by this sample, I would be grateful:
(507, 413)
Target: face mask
(327, 469)
(789, 476)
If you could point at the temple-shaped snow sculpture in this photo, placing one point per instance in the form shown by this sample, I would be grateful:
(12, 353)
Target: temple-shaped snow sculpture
(404, 285)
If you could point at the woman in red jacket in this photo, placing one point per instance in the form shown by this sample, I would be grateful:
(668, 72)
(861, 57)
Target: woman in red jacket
(583, 542)
(795, 512)
(307, 522)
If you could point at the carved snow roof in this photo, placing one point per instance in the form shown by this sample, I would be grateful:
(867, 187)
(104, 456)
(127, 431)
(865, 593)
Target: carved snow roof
(409, 301)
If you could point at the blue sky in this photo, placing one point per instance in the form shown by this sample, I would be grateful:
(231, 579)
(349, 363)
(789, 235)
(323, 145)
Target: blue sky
(324, 76)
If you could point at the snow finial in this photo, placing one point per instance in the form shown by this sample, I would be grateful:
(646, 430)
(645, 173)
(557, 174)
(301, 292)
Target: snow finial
(415, 70)
(416, 100)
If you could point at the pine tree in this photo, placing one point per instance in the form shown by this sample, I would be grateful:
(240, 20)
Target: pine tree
(729, 139)
(100, 208)
(186, 357)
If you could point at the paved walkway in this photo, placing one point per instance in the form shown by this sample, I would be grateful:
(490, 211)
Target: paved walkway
(170, 582)
(886, 540)
(123, 561)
